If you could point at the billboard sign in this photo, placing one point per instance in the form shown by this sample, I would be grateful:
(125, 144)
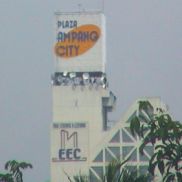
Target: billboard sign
(77, 41)
(80, 42)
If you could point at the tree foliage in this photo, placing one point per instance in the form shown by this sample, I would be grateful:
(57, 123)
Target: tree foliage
(165, 135)
(6, 177)
(154, 126)
(116, 172)
(14, 169)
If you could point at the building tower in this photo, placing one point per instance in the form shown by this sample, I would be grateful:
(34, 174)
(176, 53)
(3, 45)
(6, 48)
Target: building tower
(81, 99)
(81, 140)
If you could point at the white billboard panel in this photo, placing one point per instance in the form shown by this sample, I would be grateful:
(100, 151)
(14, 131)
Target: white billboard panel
(80, 42)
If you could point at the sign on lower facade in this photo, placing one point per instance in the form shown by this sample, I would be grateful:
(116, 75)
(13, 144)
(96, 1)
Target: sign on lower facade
(70, 141)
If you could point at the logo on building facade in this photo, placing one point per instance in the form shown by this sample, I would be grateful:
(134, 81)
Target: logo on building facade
(69, 147)
(72, 142)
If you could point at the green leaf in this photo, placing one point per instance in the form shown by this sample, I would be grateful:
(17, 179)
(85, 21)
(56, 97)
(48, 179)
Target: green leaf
(142, 146)
(169, 177)
(161, 166)
(179, 176)
(6, 177)
(135, 126)
(14, 167)
(151, 168)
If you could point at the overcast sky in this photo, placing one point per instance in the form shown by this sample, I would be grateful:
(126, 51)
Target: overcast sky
(144, 58)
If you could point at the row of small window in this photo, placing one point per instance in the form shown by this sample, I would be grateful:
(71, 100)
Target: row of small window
(112, 153)
(76, 79)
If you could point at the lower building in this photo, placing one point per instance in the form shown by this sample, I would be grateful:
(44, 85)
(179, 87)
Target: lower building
(83, 140)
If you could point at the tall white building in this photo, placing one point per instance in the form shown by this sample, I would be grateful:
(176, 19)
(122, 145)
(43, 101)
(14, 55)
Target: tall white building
(81, 139)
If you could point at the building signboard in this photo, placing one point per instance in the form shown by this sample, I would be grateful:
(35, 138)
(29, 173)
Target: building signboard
(71, 140)
(79, 44)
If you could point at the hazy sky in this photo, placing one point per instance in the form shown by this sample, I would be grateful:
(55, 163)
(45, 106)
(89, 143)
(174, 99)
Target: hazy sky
(144, 58)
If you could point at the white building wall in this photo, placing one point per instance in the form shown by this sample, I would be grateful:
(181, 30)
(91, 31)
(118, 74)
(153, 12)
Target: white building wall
(78, 105)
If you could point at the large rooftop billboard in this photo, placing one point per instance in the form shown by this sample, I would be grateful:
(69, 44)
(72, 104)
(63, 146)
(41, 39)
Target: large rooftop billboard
(80, 42)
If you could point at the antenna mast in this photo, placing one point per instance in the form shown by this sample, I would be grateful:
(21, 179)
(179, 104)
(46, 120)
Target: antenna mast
(79, 7)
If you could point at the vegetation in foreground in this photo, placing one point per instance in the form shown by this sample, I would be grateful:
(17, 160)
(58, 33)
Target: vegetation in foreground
(155, 127)
(14, 171)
